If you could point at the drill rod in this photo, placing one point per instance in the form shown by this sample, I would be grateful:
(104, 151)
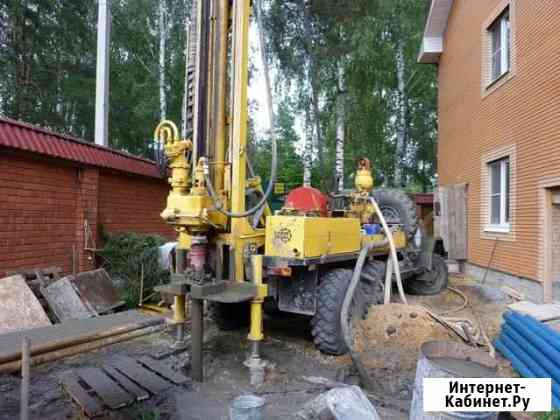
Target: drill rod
(197, 335)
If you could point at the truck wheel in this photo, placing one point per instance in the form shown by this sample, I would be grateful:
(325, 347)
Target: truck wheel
(430, 282)
(374, 286)
(397, 207)
(325, 325)
(229, 316)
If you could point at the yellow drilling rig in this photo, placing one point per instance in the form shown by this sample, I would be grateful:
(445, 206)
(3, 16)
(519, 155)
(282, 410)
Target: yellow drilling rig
(232, 252)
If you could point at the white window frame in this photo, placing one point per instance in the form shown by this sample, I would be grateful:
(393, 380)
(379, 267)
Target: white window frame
(503, 22)
(504, 225)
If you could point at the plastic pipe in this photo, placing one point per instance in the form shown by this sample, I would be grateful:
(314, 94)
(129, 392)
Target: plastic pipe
(532, 364)
(521, 367)
(521, 327)
(544, 331)
(533, 352)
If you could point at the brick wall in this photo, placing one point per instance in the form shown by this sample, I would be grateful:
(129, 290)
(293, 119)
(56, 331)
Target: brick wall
(130, 204)
(37, 213)
(521, 113)
(49, 208)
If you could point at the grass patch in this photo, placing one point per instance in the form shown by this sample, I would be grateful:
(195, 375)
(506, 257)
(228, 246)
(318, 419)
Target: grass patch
(553, 415)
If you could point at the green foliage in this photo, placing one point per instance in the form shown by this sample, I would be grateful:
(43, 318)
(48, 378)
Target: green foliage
(48, 56)
(127, 256)
(290, 163)
(148, 414)
(364, 36)
(553, 415)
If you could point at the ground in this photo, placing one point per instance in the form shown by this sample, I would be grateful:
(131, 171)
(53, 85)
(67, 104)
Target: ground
(288, 348)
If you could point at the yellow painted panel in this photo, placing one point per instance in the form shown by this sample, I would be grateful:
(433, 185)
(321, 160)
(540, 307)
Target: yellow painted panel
(307, 237)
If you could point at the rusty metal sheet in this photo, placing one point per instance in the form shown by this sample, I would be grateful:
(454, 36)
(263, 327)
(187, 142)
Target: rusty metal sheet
(19, 308)
(65, 302)
(96, 289)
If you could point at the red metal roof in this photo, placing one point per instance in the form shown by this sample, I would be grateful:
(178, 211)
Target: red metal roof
(423, 198)
(21, 136)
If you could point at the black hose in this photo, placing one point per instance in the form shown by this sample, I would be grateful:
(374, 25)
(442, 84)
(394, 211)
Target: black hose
(274, 164)
(268, 192)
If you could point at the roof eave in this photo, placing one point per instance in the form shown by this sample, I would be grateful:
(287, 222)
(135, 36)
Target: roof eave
(436, 25)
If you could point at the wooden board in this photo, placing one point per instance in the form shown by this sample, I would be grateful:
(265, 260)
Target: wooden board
(140, 374)
(19, 308)
(139, 393)
(108, 390)
(74, 332)
(65, 302)
(453, 220)
(163, 370)
(96, 289)
(541, 312)
(89, 404)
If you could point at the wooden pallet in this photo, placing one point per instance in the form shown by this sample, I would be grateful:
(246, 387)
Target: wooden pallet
(119, 383)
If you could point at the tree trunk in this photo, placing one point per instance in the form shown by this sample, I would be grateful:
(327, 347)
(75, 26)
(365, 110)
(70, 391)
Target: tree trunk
(265, 67)
(307, 150)
(162, 15)
(340, 127)
(314, 81)
(402, 111)
(185, 105)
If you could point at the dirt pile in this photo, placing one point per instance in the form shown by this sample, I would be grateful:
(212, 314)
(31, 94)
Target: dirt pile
(388, 343)
(391, 335)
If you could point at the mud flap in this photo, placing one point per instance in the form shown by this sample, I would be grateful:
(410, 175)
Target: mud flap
(298, 294)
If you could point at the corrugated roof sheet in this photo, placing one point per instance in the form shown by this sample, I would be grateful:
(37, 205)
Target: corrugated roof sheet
(22, 136)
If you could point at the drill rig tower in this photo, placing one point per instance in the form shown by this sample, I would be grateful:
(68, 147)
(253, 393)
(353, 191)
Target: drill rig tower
(233, 253)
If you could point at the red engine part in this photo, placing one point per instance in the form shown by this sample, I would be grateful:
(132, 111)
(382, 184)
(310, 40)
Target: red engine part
(197, 254)
(307, 200)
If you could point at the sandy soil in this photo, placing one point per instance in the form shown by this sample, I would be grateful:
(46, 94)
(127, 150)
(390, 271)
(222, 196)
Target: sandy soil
(391, 343)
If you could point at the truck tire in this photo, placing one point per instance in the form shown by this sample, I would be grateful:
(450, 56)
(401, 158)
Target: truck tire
(397, 207)
(229, 316)
(431, 282)
(374, 289)
(325, 325)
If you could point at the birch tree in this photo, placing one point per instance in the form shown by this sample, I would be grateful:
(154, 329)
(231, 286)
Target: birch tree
(186, 89)
(340, 127)
(162, 27)
(307, 149)
(313, 78)
(401, 116)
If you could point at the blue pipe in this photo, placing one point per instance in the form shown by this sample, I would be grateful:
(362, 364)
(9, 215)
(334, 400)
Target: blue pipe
(532, 351)
(521, 367)
(536, 340)
(540, 371)
(544, 331)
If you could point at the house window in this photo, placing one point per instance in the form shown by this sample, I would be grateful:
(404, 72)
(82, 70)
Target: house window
(500, 37)
(499, 202)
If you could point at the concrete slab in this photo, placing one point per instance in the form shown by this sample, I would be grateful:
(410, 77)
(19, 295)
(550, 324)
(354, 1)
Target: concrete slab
(19, 308)
(542, 312)
(65, 301)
